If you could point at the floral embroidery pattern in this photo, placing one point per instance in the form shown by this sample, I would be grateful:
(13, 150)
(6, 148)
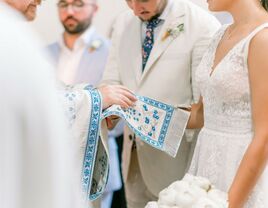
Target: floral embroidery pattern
(91, 146)
(149, 119)
(70, 104)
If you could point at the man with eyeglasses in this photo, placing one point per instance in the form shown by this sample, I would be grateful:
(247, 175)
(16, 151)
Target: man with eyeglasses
(81, 53)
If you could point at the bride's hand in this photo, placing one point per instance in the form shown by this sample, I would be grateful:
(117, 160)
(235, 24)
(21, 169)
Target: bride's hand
(196, 119)
(116, 95)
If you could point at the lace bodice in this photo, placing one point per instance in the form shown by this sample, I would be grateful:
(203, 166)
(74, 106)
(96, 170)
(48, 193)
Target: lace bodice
(227, 131)
(226, 91)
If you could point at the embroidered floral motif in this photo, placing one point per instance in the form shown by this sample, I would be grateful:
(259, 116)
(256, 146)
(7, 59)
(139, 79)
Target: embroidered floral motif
(70, 104)
(88, 180)
(149, 119)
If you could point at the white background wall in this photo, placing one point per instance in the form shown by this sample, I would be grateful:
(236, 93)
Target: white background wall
(49, 27)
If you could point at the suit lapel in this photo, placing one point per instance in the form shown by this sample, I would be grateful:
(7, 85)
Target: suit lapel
(135, 51)
(175, 18)
(130, 49)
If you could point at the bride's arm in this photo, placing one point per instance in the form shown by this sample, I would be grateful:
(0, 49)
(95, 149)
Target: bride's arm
(256, 156)
(196, 120)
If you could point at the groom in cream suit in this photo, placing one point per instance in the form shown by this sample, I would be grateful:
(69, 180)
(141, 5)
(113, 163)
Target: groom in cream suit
(156, 49)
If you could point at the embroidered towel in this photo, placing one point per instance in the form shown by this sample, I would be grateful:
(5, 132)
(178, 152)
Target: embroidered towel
(158, 124)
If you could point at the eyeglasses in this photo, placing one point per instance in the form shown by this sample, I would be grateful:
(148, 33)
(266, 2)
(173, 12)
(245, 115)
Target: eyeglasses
(76, 5)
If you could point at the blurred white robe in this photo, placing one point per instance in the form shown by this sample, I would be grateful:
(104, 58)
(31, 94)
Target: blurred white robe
(36, 167)
(30, 84)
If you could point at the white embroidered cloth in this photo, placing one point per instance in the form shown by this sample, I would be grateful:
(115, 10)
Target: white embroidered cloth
(160, 125)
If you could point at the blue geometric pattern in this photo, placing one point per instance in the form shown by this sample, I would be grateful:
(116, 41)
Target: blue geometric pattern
(149, 40)
(92, 143)
(149, 121)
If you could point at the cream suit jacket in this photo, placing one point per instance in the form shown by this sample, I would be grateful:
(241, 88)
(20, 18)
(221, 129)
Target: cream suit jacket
(168, 77)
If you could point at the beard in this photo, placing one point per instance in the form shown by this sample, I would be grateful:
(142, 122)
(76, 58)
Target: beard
(77, 27)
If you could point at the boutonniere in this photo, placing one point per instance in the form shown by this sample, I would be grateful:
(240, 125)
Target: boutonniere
(95, 45)
(173, 31)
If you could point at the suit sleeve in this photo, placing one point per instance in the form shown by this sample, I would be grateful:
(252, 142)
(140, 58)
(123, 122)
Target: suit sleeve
(209, 26)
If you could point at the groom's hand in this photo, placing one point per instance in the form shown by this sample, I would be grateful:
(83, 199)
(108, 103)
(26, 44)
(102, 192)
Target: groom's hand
(116, 95)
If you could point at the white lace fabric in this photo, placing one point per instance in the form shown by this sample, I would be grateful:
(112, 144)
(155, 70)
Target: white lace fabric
(227, 130)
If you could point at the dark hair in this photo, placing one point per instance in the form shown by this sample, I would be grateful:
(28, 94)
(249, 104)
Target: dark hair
(265, 4)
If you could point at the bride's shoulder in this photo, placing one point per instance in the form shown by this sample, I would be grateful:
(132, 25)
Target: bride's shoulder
(259, 43)
(261, 37)
(257, 51)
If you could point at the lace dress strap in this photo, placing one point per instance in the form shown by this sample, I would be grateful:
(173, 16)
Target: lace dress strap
(252, 35)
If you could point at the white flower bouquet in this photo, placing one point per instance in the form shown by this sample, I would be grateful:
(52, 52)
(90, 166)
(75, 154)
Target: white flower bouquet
(191, 192)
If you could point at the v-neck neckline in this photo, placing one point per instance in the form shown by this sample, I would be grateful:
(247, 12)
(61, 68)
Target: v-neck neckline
(213, 66)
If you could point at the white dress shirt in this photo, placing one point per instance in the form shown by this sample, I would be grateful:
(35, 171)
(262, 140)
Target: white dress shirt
(69, 59)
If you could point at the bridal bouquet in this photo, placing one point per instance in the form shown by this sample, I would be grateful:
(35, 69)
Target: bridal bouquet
(190, 192)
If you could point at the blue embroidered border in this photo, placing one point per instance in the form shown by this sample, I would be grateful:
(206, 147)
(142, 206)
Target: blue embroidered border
(93, 134)
(92, 142)
(169, 112)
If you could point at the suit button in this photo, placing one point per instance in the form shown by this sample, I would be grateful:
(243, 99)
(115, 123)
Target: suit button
(130, 137)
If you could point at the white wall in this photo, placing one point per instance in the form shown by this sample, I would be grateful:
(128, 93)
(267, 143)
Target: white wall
(49, 27)
(47, 23)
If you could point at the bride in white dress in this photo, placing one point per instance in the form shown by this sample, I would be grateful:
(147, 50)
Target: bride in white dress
(232, 147)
